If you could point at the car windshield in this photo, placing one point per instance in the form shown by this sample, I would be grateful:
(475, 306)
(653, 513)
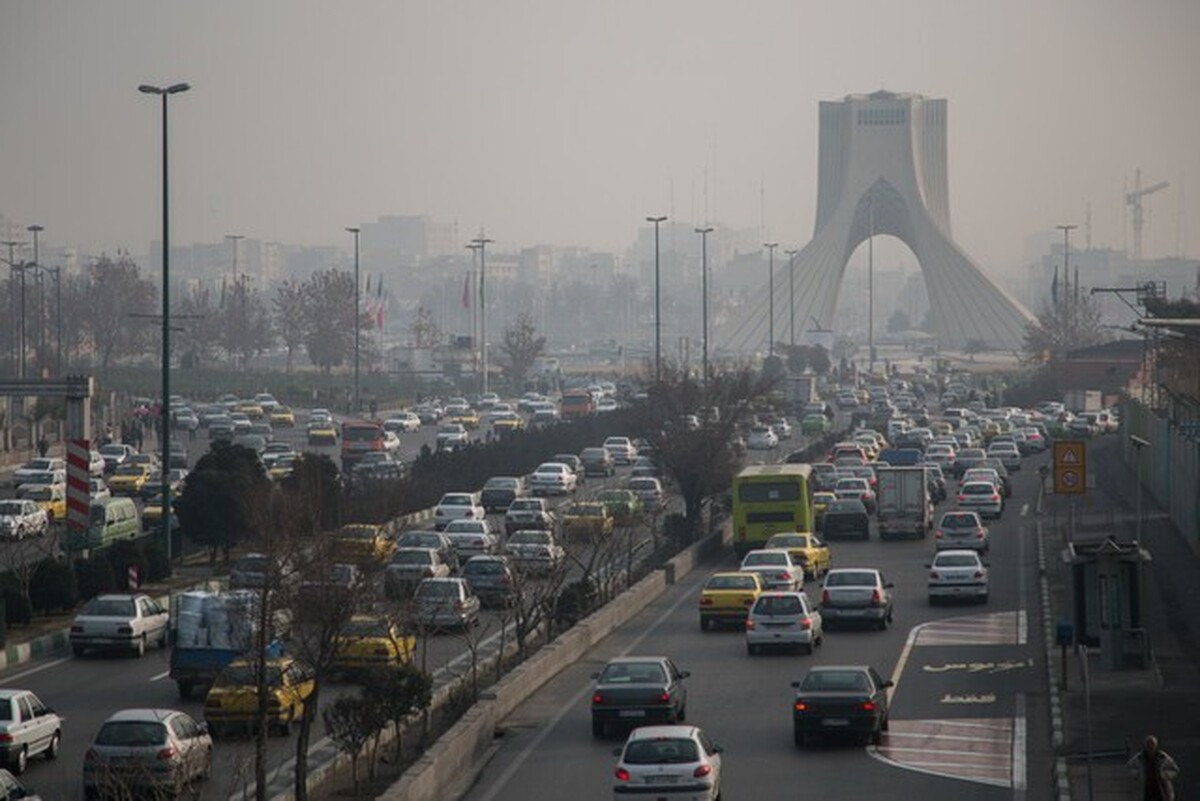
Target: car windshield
(437, 589)
(110, 607)
(457, 500)
(850, 578)
(529, 538)
(759, 558)
(132, 733)
(483, 567)
(787, 541)
(959, 521)
(633, 673)
(530, 505)
(501, 483)
(366, 628)
(835, 680)
(130, 470)
(956, 560)
(731, 583)
(412, 558)
(661, 751)
(778, 605)
(420, 539)
(645, 484)
(11, 508)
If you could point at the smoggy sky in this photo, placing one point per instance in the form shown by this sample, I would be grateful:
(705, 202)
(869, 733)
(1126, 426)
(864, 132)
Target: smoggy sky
(569, 121)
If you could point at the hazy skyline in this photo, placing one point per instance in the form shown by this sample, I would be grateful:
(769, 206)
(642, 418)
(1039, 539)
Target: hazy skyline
(568, 122)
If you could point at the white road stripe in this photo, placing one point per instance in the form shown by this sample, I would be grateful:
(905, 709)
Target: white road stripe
(913, 633)
(160, 676)
(1018, 749)
(1024, 509)
(31, 671)
(936, 736)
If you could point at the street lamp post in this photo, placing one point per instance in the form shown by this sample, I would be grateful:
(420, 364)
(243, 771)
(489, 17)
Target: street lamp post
(704, 232)
(1139, 444)
(164, 401)
(657, 304)
(35, 230)
(58, 349)
(357, 321)
(481, 243)
(239, 310)
(791, 254)
(770, 246)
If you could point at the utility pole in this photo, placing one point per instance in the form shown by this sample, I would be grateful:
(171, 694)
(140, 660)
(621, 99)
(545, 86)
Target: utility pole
(357, 323)
(482, 242)
(657, 305)
(13, 269)
(770, 246)
(791, 254)
(871, 284)
(239, 311)
(36, 229)
(704, 232)
(1066, 229)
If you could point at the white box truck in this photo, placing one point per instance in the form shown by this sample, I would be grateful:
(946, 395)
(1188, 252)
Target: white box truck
(903, 507)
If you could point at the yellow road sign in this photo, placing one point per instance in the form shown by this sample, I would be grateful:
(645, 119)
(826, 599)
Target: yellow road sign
(1070, 467)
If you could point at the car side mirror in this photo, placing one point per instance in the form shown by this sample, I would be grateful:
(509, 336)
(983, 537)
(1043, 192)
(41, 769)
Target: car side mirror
(595, 675)
(716, 749)
(888, 683)
(796, 685)
(683, 674)
(987, 564)
(890, 585)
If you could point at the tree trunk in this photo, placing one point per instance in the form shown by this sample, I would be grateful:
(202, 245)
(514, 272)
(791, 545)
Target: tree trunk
(300, 785)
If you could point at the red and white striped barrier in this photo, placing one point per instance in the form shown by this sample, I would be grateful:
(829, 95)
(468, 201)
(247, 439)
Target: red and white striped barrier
(79, 490)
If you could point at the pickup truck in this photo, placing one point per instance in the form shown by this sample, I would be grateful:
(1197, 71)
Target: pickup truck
(128, 622)
(210, 630)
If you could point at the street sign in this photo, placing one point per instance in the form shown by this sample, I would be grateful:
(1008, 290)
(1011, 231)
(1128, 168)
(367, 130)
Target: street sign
(79, 488)
(1070, 467)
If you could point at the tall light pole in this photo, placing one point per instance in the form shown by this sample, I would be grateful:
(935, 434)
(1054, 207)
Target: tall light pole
(1139, 444)
(35, 230)
(482, 242)
(468, 291)
(58, 365)
(357, 321)
(1066, 229)
(704, 232)
(164, 402)
(239, 310)
(791, 254)
(770, 246)
(871, 284)
(657, 304)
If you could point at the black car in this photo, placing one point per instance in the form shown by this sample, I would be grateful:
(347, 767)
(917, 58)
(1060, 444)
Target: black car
(637, 690)
(500, 491)
(846, 519)
(377, 466)
(597, 462)
(840, 700)
(492, 579)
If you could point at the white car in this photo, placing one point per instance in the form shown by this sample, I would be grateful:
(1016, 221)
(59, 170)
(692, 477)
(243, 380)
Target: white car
(783, 619)
(775, 567)
(391, 443)
(129, 622)
(762, 438)
(471, 538)
(622, 449)
(535, 551)
(403, 421)
(27, 728)
(1007, 452)
(659, 761)
(95, 464)
(781, 428)
(553, 478)
(35, 467)
(958, 574)
(452, 436)
(456, 506)
(983, 497)
(649, 491)
(21, 518)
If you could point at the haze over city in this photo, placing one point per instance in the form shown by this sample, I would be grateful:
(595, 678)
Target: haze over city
(568, 122)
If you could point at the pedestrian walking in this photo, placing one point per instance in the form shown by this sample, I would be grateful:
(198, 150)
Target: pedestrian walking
(1156, 772)
(42, 447)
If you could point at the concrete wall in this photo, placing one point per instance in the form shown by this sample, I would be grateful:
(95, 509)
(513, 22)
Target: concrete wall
(1170, 466)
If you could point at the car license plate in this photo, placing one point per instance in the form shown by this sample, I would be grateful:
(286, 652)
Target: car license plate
(835, 722)
(661, 779)
(633, 713)
(854, 612)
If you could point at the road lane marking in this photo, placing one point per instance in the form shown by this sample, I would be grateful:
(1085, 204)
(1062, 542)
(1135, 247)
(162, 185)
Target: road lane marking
(942, 748)
(541, 736)
(1024, 509)
(991, 628)
(160, 676)
(31, 671)
(1018, 749)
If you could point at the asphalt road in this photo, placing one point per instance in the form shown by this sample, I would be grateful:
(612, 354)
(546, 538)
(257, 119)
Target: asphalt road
(968, 711)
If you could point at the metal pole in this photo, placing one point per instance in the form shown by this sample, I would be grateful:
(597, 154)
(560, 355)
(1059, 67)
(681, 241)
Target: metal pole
(12, 304)
(770, 246)
(239, 313)
(58, 371)
(871, 285)
(164, 402)
(704, 232)
(482, 243)
(36, 229)
(791, 254)
(357, 322)
(657, 305)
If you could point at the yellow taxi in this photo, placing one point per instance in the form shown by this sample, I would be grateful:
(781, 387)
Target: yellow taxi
(283, 417)
(52, 498)
(820, 502)
(508, 422)
(282, 467)
(251, 408)
(468, 419)
(322, 434)
(368, 642)
(989, 429)
(727, 598)
(129, 479)
(806, 549)
(232, 702)
(587, 519)
(361, 542)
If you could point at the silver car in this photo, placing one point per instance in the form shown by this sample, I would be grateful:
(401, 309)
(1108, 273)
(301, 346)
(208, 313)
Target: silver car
(27, 728)
(958, 574)
(783, 619)
(441, 603)
(146, 749)
(853, 594)
(775, 567)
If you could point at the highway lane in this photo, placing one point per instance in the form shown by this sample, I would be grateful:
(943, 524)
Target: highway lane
(968, 714)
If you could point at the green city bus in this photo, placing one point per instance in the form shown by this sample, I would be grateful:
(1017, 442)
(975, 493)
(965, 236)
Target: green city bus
(768, 499)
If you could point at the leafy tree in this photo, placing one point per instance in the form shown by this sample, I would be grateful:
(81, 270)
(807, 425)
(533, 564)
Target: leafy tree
(898, 322)
(425, 330)
(245, 329)
(1064, 327)
(396, 694)
(203, 327)
(115, 291)
(329, 312)
(290, 321)
(223, 498)
(521, 347)
(313, 493)
(351, 721)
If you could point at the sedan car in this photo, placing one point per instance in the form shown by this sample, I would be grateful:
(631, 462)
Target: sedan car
(597, 462)
(452, 436)
(622, 449)
(367, 643)
(500, 491)
(982, 497)
(623, 504)
(726, 597)
(762, 438)
(492, 579)
(959, 529)
(456, 506)
(553, 478)
(402, 422)
(22, 518)
(856, 489)
(430, 539)
(152, 749)
(846, 518)
(632, 690)
(807, 551)
(441, 603)
(472, 537)
(587, 519)
(1008, 453)
(775, 567)
(232, 703)
(28, 728)
(840, 700)
(958, 574)
(129, 622)
(668, 762)
(857, 594)
(648, 490)
(535, 551)
(408, 566)
(527, 513)
(783, 619)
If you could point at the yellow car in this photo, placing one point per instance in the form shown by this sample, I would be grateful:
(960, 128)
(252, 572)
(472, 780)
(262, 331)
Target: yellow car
(129, 479)
(806, 549)
(820, 502)
(251, 408)
(233, 700)
(52, 498)
(727, 598)
(283, 417)
(369, 642)
(360, 543)
(508, 422)
(282, 467)
(322, 434)
(468, 419)
(587, 519)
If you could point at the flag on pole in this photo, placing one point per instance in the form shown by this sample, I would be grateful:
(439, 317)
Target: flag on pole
(466, 295)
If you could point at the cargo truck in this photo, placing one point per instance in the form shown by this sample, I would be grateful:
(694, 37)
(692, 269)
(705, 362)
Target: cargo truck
(1083, 400)
(208, 630)
(903, 507)
(799, 391)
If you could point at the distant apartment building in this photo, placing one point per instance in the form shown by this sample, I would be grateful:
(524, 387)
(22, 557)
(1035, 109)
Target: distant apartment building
(405, 242)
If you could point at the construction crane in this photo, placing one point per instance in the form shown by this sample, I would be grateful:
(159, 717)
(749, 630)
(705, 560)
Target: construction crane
(1134, 201)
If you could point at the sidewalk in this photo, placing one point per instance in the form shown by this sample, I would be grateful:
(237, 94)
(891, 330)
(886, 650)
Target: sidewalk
(1126, 705)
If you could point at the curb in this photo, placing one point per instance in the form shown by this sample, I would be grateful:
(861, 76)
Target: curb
(1062, 782)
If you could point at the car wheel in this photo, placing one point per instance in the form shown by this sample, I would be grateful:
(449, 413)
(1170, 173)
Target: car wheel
(983, 599)
(884, 622)
(21, 761)
(598, 729)
(52, 749)
(140, 649)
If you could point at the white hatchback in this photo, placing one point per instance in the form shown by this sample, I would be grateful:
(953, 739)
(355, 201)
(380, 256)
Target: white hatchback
(668, 762)
(958, 574)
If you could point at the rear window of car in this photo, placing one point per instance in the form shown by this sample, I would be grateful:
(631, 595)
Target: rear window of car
(850, 578)
(437, 589)
(625, 673)
(979, 489)
(835, 680)
(959, 521)
(730, 583)
(661, 751)
(778, 605)
(955, 560)
(412, 558)
(102, 607)
(131, 733)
